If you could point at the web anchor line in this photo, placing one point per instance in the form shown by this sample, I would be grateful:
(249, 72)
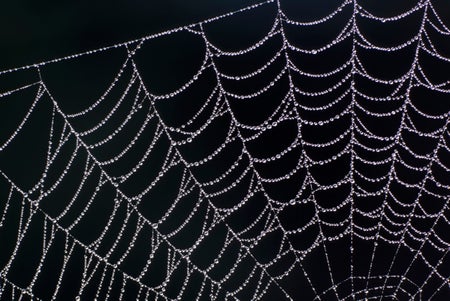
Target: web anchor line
(135, 41)
(267, 174)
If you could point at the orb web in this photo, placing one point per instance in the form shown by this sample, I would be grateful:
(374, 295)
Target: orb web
(303, 156)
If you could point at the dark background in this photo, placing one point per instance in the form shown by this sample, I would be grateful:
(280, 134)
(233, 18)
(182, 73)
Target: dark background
(33, 32)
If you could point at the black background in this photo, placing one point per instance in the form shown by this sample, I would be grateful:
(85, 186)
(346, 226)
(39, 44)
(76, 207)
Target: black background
(33, 32)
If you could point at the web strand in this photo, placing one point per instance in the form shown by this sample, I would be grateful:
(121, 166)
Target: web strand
(363, 161)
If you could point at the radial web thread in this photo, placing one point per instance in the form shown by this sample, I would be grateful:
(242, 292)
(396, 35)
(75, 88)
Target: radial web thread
(277, 170)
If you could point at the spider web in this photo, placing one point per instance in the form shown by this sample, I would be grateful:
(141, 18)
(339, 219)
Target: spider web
(276, 180)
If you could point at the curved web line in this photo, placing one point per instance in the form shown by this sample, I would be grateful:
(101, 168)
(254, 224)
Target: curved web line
(205, 195)
(416, 76)
(131, 42)
(146, 221)
(395, 154)
(251, 160)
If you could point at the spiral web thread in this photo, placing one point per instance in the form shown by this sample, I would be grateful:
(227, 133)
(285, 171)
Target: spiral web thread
(376, 165)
